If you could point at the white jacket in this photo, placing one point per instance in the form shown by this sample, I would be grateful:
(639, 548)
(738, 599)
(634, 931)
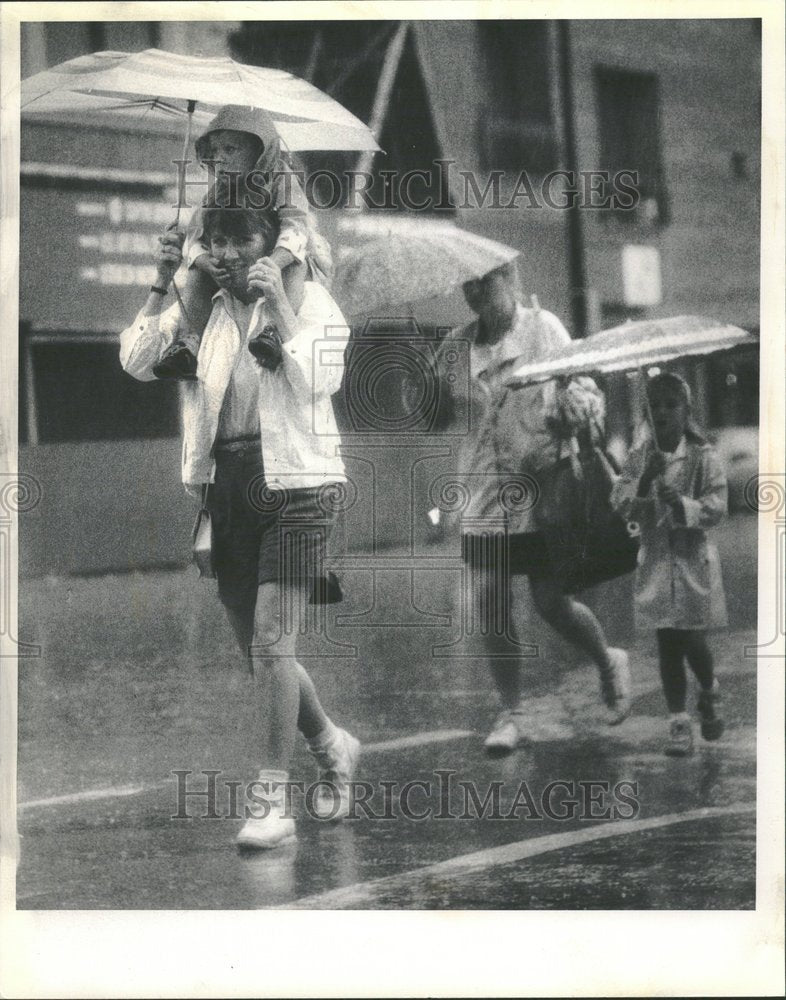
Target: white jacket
(300, 438)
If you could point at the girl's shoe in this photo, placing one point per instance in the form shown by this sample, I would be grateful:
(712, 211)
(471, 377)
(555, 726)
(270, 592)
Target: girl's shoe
(615, 685)
(712, 725)
(177, 362)
(680, 739)
(506, 733)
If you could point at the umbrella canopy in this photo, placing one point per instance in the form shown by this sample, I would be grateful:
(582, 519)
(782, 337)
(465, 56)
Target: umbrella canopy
(635, 345)
(389, 262)
(154, 82)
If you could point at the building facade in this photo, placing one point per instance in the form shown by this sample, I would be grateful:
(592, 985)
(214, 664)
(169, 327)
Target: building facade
(522, 129)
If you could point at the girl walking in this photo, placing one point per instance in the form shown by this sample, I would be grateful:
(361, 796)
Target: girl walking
(675, 487)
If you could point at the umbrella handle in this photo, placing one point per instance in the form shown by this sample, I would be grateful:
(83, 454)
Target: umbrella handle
(181, 185)
(648, 409)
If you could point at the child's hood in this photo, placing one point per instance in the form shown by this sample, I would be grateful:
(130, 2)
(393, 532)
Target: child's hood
(243, 119)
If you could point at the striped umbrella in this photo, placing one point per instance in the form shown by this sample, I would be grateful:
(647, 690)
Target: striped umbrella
(634, 345)
(154, 82)
(391, 262)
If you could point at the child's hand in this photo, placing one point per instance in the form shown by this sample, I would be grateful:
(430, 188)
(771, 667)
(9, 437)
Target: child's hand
(210, 266)
(265, 277)
(669, 496)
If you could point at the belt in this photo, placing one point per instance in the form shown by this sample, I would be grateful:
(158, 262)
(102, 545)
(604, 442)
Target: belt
(248, 443)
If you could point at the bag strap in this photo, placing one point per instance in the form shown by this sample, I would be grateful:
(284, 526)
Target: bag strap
(204, 493)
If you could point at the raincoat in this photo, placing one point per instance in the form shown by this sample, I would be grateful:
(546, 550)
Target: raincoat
(510, 436)
(300, 437)
(274, 175)
(678, 580)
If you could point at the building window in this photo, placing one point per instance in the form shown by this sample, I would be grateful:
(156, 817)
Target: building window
(72, 388)
(69, 39)
(734, 388)
(518, 128)
(344, 59)
(629, 124)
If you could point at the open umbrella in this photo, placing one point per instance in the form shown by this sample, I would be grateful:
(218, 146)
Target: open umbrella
(634, 345)
(296, 135)
(387, 262)
(170, 83)
(180, 80)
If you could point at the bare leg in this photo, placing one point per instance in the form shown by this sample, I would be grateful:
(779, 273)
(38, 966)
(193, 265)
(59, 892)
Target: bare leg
(197, 296)
(312, 719)
(571, 619)
(490, 616)
(286, 693)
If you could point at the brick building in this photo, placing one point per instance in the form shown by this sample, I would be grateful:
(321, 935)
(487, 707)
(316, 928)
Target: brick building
(677, 101)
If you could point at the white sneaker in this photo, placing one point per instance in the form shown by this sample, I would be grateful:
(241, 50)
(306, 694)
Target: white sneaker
(506, 733)
(336, 765)
(616, 686)
(272, 829)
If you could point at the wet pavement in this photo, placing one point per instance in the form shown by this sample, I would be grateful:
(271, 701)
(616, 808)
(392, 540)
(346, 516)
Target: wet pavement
(136, 683)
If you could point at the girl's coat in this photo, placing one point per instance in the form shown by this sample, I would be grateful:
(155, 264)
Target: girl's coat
(678, 580)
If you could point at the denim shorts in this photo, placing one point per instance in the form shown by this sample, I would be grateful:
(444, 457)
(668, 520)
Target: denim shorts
(262, 535)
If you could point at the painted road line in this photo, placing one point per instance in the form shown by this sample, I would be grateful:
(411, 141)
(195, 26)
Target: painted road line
(93, 794)
(417, 740)
(468, 864)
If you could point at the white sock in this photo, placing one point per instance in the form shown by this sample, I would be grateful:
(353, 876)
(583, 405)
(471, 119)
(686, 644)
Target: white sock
(274, 779)
(324, 739)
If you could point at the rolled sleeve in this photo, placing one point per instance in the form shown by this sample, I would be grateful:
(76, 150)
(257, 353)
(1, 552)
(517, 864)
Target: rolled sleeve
(294, 240)
(313, 360)
(142, 343)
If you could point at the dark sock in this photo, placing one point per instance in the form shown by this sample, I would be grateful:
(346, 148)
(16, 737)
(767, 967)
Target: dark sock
(672, 668)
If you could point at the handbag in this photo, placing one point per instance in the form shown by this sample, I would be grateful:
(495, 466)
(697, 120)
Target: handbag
(587, 541)
(202, 539)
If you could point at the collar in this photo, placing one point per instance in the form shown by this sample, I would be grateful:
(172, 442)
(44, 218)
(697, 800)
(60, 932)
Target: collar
(231, 303)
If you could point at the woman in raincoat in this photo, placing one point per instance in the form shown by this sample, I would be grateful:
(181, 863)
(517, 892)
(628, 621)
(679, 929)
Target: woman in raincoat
(514, 437)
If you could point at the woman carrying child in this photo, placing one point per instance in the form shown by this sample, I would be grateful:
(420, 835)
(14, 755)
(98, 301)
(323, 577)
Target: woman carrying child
(241, 149)
(675, 488)
(261, 437)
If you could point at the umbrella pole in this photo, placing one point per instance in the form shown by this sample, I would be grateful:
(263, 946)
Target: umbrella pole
(647, 407)
(181, 185)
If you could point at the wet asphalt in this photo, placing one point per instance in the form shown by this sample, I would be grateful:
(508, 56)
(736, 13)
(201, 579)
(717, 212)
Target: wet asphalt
(582, 816)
